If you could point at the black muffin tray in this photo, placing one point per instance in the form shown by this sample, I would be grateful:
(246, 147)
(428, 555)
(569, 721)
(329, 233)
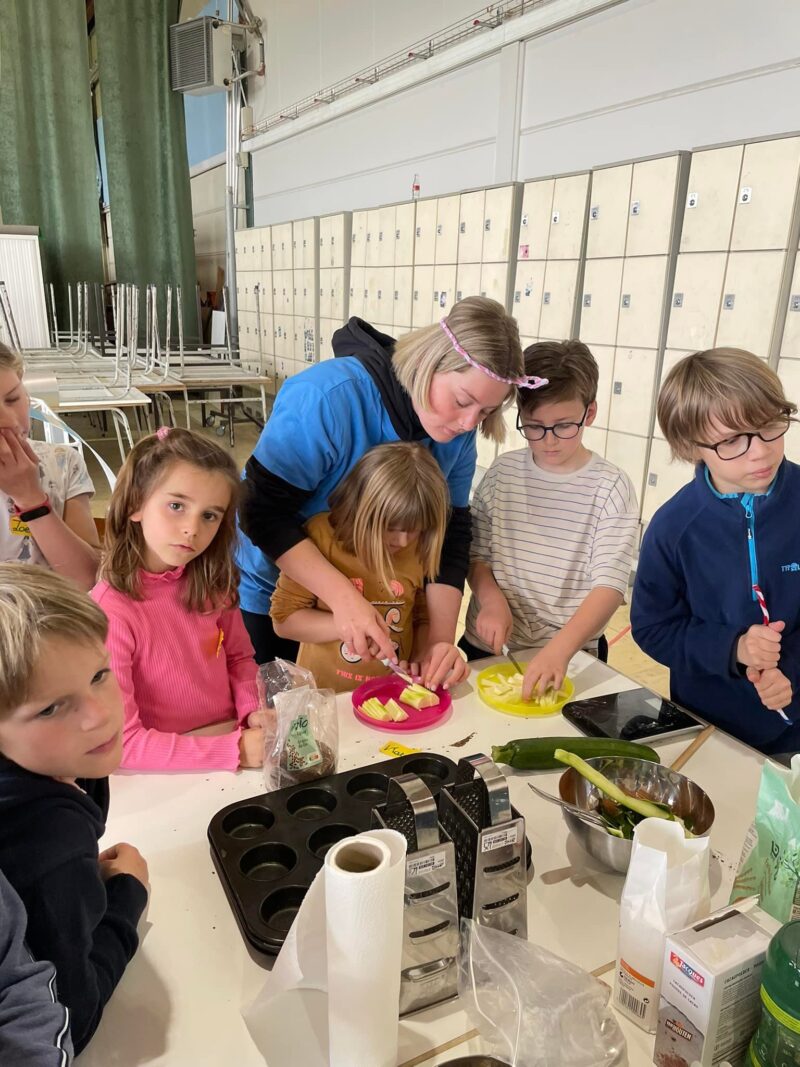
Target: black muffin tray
(267, 849)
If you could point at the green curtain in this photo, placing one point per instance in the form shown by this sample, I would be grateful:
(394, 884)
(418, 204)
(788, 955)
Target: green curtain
(145, 142)
(48, 175)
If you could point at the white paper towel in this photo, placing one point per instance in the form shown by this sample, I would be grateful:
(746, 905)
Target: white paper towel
(346, 941)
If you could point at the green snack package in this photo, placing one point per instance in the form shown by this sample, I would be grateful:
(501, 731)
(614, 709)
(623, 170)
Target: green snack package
(770, 862)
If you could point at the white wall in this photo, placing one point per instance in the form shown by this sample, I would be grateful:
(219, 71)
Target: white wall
(208, 218)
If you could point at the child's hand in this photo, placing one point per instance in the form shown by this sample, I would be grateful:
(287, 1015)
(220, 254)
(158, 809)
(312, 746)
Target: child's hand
(547, 668)
(760, 646)
(251, 747)
(493, 623)
(124, 859)
(773, 687)
(259, 718)
(443, 665)
(19, 470)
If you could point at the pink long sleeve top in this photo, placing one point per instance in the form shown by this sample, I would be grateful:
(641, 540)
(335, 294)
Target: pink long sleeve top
(178, 670)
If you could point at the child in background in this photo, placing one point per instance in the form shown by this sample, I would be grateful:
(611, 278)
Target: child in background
(60, 737)
(168, 586)
(554, 527)
(734, 526)
(44, 491)
(384, 532)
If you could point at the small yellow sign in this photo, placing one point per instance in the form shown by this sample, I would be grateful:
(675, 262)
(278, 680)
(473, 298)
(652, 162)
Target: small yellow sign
(393, 748)
(18, 527)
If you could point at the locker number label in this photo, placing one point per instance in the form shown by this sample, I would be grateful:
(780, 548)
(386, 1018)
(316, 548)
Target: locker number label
(652, 479)
(487, 225)
(745, 194)
(617, 388)
(636, 207)
(524, 251)
(795, 302)
(556, 217)
(587, 300)
(691, 199)
(545, 298)
(594, 212)
(677, 300)
(728, 301)
(626, 300)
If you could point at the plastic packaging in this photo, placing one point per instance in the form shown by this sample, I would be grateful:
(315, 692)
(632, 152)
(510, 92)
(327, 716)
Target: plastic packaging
(532, 1008)
(777, 1039)
(305, 743)
(279, 676)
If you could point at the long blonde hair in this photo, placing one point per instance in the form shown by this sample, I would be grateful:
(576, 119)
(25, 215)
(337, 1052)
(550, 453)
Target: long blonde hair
(485, 330)
(212, 576)
(10, 360)
(394, 486)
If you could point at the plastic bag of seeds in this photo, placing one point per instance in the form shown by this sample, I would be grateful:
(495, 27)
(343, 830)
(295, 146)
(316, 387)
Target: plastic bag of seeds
(305, 743)
(279, 676)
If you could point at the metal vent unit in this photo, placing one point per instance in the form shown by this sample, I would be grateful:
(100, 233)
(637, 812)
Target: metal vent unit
(200, 54)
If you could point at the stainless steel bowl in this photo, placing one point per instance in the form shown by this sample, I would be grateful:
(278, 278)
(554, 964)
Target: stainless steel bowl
(635, 776)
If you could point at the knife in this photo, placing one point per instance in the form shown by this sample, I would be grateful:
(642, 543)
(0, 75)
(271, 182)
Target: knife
(400, 674)
(506, 652)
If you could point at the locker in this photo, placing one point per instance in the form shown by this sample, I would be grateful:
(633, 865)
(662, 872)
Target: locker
(403, 292)
(247, 298)
(766, 194)
(325, 241)
(665, 477)
(266, 334)
(641, 301)
(422, 298)
(327, 328)
(750, 301)
(558, 299)
(789, 374)
(325, 291)
(444, 291)
(604, 357)
(711, 199)
(357, 294)
(284, 339)
(534, 227)
(494, 282)
(632, 390)
(470, 227)
(239, 249)
(298, 245)
(309, 324)
(268, 366)
(384, 296)
(608, 212)
(266, 249)
(594, 438)
(282, 245)
(304, 292)
(652, 206)
(263, 293)
(386, 236)
(629, 453)
(338, 294)
(526, 305)
(514, 439)
(285, 290)
(371, 286)
(671, 357)
(790, 343)
(424, 232)
(468, 280)
(487, 450)
(339, 239)
(247, 331)
(404, 218)
(567, 217)
(498, 216)
(358, 253)
(372, 249)
(447, 230)
(600, 301)
(696, 295)
(311, 242)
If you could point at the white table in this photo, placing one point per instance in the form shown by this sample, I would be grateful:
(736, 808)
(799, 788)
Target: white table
(179, 1003)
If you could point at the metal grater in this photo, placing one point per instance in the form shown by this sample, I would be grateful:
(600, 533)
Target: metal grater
(430, 913)
(489, 838)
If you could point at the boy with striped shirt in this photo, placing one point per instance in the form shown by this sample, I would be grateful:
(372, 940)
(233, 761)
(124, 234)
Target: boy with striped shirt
(554, 527)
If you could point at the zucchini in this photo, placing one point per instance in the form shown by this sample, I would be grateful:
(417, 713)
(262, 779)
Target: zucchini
(538, 753)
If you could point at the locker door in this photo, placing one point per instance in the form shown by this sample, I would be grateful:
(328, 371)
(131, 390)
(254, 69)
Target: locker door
(243, 290)
(403, 292)
(357, 283)
(371, 287)
(325, 240)
(425, 232)
(790, 344)
(287, 245)
(766, 194)
(641, 301)
(629, 453)
(665, 477)
(671, 357)
(309, 291)
(298, 252)
(608, 212)
(604, 357)
(310, 339)
(534, 228)
(447, 230)
(696, 295)
(373, 229)
(404, 218)
(600, 301)
(311, 243)
(497, 218)
(266, 249)
(468, 280)
(384, 297)
(632, 390)
(444, 291)
(711, 199)
(265, 292)
(750, 301)
(239, 248)
(568, 217)
(325, 292)
(558, 299)
(327, 327)
(789, 374)
(386, 236)
(494, 282)
(470, 227)
(358, 254)
(652, 206)
(267, 331)
(527, 302)
(338, 241)
(422, 301)
(247, 336)
(594, 438)
(289, 283)
(337, 295)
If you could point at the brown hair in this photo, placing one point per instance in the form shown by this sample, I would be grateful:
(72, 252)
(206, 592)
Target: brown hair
(728, 384)
(10, 360)
(485, 330)
(35, 605)
(212, 576)
(394, 486)
(570, 369)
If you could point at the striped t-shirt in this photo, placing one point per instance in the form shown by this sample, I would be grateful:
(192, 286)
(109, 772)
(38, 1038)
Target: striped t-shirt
(550, 539)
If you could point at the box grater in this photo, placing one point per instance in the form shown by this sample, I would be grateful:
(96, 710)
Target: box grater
(489, 838)
(430, 913)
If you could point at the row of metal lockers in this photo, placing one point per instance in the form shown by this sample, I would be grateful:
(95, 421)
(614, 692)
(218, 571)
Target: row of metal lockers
(645, 261)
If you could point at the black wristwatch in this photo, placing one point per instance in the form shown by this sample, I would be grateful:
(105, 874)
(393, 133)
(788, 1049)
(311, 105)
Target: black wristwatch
(34, 513)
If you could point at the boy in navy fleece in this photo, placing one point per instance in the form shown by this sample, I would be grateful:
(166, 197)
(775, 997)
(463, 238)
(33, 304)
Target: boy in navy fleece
(735, 526)
(60, 736)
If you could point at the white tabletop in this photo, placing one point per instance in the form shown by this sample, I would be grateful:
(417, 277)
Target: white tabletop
(180, 1000)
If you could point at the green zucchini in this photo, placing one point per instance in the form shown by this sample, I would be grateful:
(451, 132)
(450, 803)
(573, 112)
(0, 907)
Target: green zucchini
(538, 753)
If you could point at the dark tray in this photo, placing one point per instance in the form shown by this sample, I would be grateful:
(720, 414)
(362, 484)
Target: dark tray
(267, 849)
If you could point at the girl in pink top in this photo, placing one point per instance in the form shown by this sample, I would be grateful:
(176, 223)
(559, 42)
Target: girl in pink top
(168, 585)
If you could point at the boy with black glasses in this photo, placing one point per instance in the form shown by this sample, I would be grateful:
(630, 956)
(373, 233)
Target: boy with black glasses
(554, 527)
(717, 559)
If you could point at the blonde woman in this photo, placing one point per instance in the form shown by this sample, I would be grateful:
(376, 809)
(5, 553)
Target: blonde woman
(384, 534)
(436, 386)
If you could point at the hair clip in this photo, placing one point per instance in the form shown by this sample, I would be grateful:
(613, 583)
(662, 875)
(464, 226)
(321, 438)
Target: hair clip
(162, 433)
(527, 381)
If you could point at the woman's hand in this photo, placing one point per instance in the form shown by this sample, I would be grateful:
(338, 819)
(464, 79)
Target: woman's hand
(19, 470)
(443, 665)
(363, 629)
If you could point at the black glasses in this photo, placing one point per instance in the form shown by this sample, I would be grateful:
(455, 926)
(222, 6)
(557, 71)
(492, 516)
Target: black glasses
(734, 447)
(562, 430)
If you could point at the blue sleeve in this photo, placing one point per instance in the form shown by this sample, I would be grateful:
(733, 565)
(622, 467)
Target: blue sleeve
(661, 619)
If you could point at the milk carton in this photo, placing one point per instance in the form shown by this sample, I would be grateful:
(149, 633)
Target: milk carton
(709, 1006)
